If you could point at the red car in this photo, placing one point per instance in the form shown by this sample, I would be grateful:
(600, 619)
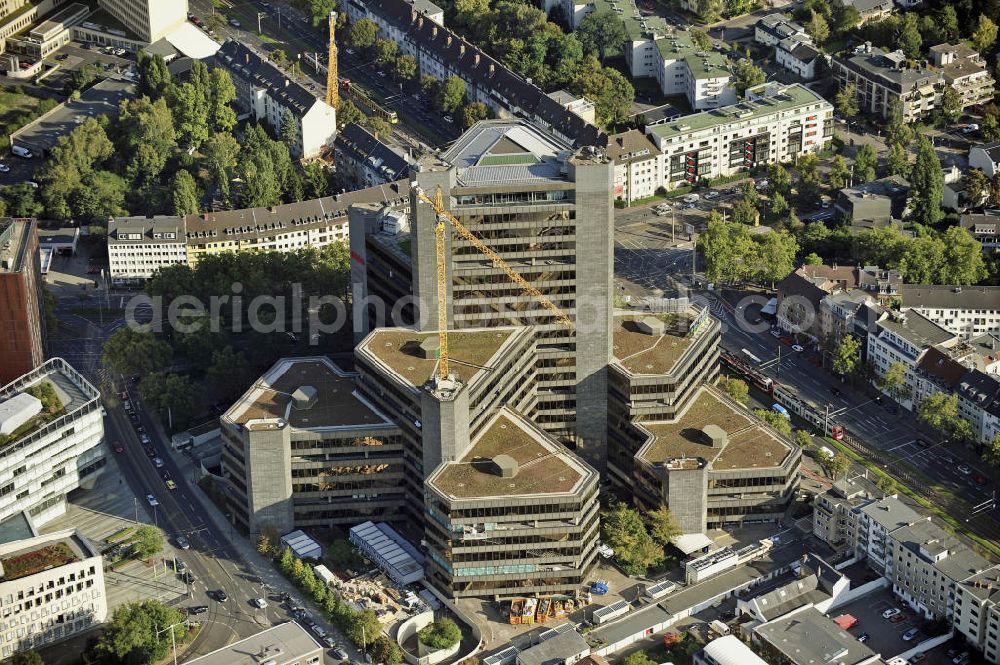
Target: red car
(117, 447)
(979, 479)
(897, 618)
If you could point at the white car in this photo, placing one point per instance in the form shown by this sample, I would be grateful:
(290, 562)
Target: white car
(797, 348)
(158, 462)
(605, 550)
(152, 500)
(4, 168)
(964, 470)
(259, 603)
(448, 118)
(691, 198)
(891, 612)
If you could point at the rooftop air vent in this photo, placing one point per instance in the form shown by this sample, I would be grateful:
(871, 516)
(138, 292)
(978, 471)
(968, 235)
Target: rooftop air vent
(506, 466)
(304, 397)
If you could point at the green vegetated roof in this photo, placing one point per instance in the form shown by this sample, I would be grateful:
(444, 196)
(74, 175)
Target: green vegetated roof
(23, 564)
(508, 160)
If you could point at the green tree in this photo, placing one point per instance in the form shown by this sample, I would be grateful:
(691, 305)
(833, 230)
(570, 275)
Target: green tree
(985, 34)
(886, 484)
(261, 184)
(286, 562)
(846, 100)
(184, 193)
(190, 113)
(865, 162)
(921, 258)
(146, 541)
(222, 92)
(809, 184)
(991, 451)
(638, 658)
(779, 179)
(747, 75)
(314, 180)
(947, 24)
(102, 195)
(846, 18)
(837, 465)
(817, 27)
(662, 526)
(289, 131)
(813, 259)
(963, 258)
(229, 373)
(404, 68)
(442, 634)
(910, 40)
(839, 173)
(363, 627)
(737, 389)
(897, 160)
(775, 420)
(361, 34)
(220, 153)
(847, 356)
(976, 187)
(779, 205)
(319, 10)
(386, 651)
(24, 658)
(148, 135)
(744, 212)
(938, 411)
(775, 254)
(927, 184)
(153, 75)
(136, 635)
(135, 351)
(601, 32)
(264, 545)
(951, 104)
(347, 113)
(802, 438)
(894, 380)
(386, 51)
(879, 246)
(625, 532)
(378, 126)
(450, 94)
(173, 394)
(608, 88)
(473, 113)
(701, 39)
(429, 85)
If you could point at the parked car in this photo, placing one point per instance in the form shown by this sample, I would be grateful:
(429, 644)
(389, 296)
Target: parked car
(220, 595)
(117, 447)
(171, 485)
(233, 22)
(179, 565)
(961, 658)
(891, 612)
(183, 543)
(863, 637)
(909, 635)
(964, 470)
(776, 334)
(797, 348)
(4, 168)
(897, 618)
(259, 603)
(318, 630)
(158, 462)
(329, 641)
(339, 653)
(298, 613)
(198, 609)
(979, 479)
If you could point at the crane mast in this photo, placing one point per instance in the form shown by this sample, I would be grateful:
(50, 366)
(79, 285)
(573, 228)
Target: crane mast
(332, 92)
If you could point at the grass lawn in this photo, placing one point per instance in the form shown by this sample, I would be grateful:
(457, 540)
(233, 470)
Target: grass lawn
(16, 110)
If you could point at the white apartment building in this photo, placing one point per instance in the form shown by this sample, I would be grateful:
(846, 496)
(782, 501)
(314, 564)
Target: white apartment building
(139, 246)
(967, 311)
(798, 55)
(872, 523)
(905, 337)
(773, 28)
(776, 124)
(976, 612)
(52, 588)
(964, 70)
(638, 165)
(979, 403)
(52, 440)
(267, 93)
(148, 19)
(882, 78)
(926, 566)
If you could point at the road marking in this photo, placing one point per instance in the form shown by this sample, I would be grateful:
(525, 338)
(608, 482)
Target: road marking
(889, 450)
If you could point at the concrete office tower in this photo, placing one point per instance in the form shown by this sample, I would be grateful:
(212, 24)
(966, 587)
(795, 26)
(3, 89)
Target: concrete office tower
(51, 440)
(302, 449)
(148, 19)
(21, 322)
(546, 210)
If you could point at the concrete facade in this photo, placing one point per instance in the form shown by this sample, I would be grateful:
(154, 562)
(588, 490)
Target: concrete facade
(148, 19)
(21, 299)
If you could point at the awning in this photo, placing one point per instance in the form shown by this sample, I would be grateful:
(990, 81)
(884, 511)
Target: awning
(691, 542)
(192, 42)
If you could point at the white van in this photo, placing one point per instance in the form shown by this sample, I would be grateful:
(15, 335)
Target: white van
(691, 198)
(21, 152)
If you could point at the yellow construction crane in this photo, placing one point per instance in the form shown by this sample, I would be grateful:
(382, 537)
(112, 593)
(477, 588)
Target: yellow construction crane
(332, 91)
(437, 203)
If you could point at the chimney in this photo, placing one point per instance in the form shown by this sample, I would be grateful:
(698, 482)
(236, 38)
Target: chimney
(287, 82)
(420, 22)
(247, 56)
(491, 69)
(477, 59)
(434, 31)
(413, 15)
(461, 49)
(448, 43)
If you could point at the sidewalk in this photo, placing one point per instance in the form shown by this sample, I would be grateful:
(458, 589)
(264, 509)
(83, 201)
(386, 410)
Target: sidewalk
(244, 552)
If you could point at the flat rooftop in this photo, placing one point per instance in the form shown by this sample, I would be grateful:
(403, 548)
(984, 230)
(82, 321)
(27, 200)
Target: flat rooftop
(750, 444)
(810, 637)
(542, 465)
(25, 558)
(14, 237)
(282, 644)
(506, 152)
(71, 390)
(335, 403)
(643, 353)
(470, 352)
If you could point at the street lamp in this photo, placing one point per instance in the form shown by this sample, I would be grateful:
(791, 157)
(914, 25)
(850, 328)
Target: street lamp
(260, 15)
(173, 640)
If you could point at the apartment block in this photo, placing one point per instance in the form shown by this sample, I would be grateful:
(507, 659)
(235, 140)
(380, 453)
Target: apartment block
(52, 435)
(52, 588)
(985, 228)
(148, 19)
(715, 466)
(966, 311)
(798, 55)
(979, 403)
(926, 564)
(965, 70)
(417, 26)
(302, 449)
(638, 165)
(659, 364)
(364, 160)
(775, 124)
(976, 612)
(881, 79)
(773, 28)
(139, 246)
(267, 93)
(21, 299)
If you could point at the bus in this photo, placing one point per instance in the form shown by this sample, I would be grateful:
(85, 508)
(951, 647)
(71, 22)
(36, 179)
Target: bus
(389, 115)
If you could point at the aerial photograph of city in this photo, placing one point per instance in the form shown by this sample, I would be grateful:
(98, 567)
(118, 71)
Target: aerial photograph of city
(499, 332)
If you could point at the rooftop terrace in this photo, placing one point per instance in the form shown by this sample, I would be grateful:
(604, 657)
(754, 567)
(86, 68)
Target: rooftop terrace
(61, 390)
(334, 403)
(643, 353)
(750, 444)
(39, 556)
(470, 352)
(543, 467)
